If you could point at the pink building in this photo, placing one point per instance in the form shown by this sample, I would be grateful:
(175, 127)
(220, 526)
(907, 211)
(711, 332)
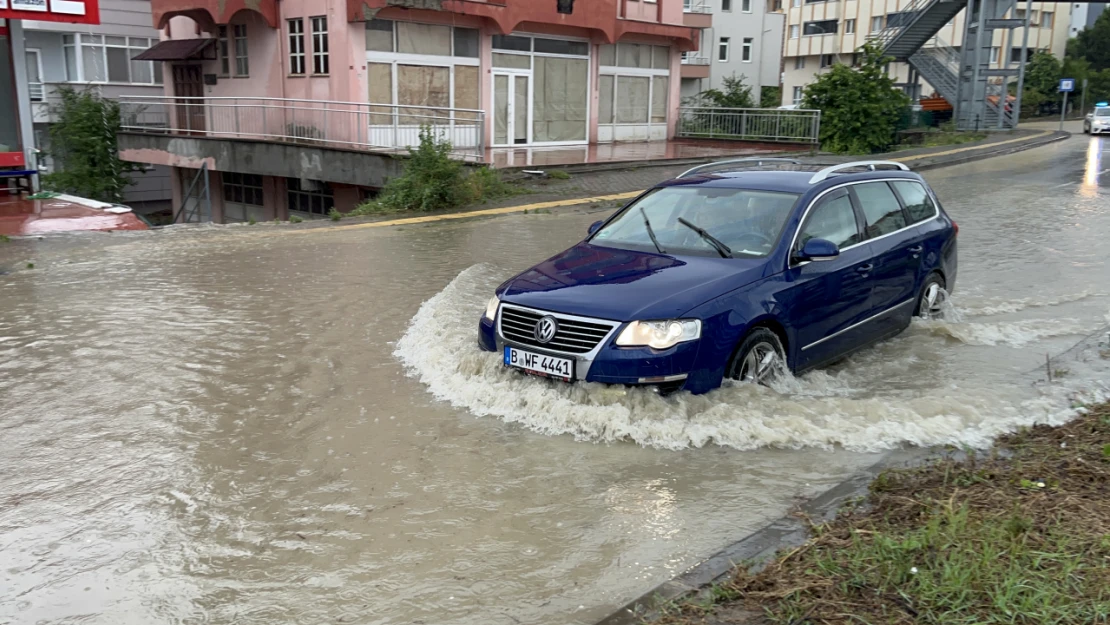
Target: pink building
(297, 106)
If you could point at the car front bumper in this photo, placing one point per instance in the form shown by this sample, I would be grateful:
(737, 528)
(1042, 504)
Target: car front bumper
(667, 369)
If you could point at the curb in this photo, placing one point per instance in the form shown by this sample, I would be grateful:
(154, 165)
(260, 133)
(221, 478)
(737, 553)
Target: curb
(786, 532)
(974, 155)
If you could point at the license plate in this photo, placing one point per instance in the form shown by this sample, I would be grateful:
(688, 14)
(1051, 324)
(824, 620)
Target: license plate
(539, 364)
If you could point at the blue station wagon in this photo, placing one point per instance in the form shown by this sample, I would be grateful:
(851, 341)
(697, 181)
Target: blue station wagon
(741, 269)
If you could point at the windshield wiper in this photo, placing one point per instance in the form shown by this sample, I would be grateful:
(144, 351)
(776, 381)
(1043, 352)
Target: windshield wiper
(721, 248)
(651, 233)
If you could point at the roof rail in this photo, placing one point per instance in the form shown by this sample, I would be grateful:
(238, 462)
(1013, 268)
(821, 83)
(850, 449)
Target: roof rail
(826, 172)
(756, 160)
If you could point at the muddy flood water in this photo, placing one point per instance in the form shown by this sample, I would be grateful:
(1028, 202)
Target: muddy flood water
(276, 425)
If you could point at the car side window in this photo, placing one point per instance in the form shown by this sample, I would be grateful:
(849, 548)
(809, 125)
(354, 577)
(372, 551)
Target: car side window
(880, 208)
(832, 219)
(918, 203)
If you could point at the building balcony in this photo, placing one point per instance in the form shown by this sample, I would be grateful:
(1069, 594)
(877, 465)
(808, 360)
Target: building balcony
(697, 14)
(695, 66)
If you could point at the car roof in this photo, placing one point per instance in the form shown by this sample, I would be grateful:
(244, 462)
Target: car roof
(795, 180)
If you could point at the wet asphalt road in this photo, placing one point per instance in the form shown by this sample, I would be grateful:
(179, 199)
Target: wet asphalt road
(266, 425)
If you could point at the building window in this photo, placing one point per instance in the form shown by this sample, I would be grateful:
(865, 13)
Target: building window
(726, 5)
(849, 27)
(746, 50)
(796, 3)
(1046, 19)
(313, 197)
(776, 5)
(827, 60)
(799, 62)
(794, 31)
(797, 96)
(877, 23)
(996, 54)
(1015, 55)
(107, 58)
(320, 45)
(722, 50)
(898, 20)
(823, 27)
(634, 84)
(222, 51)
(242, 66)
(296, 46)
(746, 6)
(242, 188)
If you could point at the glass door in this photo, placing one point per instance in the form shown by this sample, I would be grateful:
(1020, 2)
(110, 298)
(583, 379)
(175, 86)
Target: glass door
(510, 109)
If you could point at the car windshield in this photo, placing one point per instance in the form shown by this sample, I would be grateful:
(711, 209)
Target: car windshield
(748, 222)
(1102, 112)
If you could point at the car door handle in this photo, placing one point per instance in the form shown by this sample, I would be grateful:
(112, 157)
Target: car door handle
(865, 268)
(917, 249)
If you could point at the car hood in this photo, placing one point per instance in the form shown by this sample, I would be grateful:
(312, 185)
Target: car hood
(625, 285)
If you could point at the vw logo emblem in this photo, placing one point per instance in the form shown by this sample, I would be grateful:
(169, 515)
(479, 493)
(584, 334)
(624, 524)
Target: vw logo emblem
(545, 329)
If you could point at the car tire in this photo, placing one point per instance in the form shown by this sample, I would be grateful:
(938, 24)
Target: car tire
(760, 359)
(931, 300)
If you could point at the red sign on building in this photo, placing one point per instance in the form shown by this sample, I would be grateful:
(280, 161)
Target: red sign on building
(76, 11)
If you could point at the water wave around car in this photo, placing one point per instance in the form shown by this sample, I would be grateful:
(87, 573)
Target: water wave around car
(940, 382)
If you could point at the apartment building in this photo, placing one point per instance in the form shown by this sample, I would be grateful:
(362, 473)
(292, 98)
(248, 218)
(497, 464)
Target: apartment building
(821, 33)
(97, 57)
(298, 106)
(1083, 15)
(741, 39)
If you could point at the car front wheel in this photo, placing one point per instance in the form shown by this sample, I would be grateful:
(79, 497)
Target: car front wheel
(760, 358)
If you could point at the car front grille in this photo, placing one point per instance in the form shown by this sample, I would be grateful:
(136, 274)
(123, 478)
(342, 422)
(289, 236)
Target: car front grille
(574, 336)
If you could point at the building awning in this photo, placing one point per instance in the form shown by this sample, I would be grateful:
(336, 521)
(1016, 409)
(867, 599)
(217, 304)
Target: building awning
(175, 50)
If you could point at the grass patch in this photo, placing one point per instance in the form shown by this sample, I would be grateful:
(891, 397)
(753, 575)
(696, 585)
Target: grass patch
(295, 219)
(938, 138)
(334, 214)
(558, 174)
(434, 181)
(30, 265)
(1020, 537)
(4, 238)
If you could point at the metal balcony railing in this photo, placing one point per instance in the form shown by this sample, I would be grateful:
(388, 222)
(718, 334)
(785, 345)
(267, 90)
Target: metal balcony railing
(694, 59)
(696, 6)
(777, 125)
(346, 125)
(36, 91)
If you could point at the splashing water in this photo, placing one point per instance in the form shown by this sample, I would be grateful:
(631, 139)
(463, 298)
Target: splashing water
(861, 404)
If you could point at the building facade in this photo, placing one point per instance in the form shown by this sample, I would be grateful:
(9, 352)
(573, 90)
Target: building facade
(742, 39)
(1083, 15)
(345, 82)
(97, 57)
(820, 34)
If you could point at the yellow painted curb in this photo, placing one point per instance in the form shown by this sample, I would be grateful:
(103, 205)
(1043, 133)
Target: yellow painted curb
(582, 200)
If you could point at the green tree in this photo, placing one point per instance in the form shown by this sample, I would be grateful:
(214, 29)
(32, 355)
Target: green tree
(770, 97)
(735, 94)
(860, 107)
(83, 146)
(1093, 43)
(1043, 73)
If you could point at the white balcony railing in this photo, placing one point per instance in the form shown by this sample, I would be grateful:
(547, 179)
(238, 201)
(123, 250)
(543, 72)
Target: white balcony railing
(694, 59)
(37, 91)
(696, 6)
(347, 125)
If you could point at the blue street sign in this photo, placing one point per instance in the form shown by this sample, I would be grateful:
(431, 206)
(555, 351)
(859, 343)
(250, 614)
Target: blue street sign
(1067, 85)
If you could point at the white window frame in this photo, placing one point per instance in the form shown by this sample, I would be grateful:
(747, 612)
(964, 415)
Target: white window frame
(799, 62)
(876, 24)
(798, 95)
(245, 57)
(745, 6)
(223, 50)
(746, 45)
(132, 45)
(296, 46)
(1050, 19)
(636, 72)
(321, 63)
(724, 44)
(795, 31)
(41, 96)
(726, 6)
(850, 26)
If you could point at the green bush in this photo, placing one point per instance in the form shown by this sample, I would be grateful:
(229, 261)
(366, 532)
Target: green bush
(295, 219)
(434, 181)
(335, 215)
(860, 107)
(770, 97)
(83, 146)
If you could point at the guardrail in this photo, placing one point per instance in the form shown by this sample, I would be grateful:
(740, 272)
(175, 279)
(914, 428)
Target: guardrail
(774, 125)
(694, 59)
(347, 125)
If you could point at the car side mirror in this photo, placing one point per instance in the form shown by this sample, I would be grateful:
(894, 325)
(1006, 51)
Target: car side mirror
(818, 250)
(594, 227)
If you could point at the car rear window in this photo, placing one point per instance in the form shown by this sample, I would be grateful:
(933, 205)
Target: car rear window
(748, 221)
(918, 203)
(880, 208)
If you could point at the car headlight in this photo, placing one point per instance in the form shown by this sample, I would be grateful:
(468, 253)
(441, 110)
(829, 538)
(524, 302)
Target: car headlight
(491, 308)
(660, 334)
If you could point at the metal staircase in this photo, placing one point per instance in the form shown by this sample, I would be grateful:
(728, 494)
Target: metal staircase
(964, 77)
